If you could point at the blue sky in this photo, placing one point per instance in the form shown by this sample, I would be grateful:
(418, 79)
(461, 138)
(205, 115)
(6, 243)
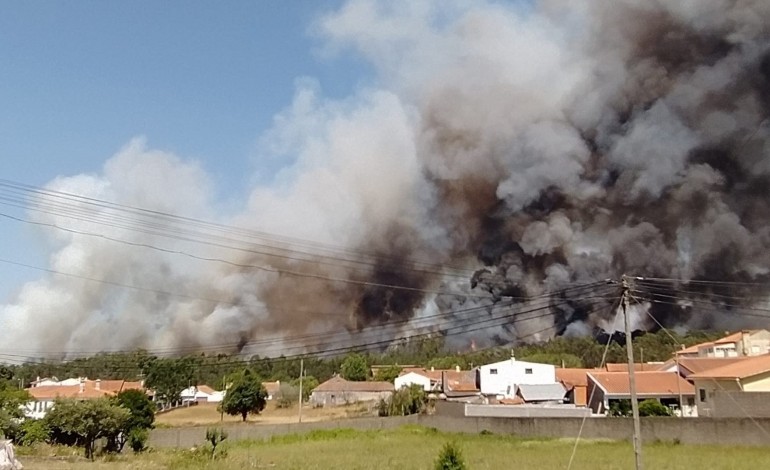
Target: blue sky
(201, 79)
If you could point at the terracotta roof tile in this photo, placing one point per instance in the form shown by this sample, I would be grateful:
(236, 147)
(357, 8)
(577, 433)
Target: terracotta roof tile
(49, 392)
(701, 364)
(573, 377)
(623, 367)
(747, 367)
(647, 383)
(338, 384)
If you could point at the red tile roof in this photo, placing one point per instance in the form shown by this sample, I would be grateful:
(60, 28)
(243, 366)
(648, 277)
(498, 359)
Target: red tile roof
(647, 383)
(573, 377)
(50, 392)
(338, 384)
(623, 367)
(701, 364)
(747, 367)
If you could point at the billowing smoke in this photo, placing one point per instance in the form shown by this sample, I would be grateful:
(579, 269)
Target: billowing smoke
(504, 152)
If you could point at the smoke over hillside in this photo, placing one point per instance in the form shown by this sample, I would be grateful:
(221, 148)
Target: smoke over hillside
(525, 151)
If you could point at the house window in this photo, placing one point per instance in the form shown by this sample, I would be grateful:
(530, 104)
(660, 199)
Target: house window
(493, 371)
(528, 371)
(702, 394)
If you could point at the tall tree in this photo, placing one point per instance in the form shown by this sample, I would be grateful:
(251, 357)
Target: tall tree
(355, 367)
(141, 417)
(245, 396)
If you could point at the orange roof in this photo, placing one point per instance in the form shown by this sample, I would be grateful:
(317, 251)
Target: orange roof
(573, 377)
(206, 389)
(697, 365)
(511, 401)
(116, 386)
(733, 338)
(50, 392)
(692, 349)
(623, 367)
(338, 384)
(747, 367)
(650, 383)
(272, 387)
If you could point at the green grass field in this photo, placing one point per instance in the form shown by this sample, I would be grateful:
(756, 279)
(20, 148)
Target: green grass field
(412, 448)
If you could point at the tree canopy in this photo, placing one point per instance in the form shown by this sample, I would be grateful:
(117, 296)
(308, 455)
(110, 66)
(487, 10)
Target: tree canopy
(245, 396)
(355, 368)
(87, 421)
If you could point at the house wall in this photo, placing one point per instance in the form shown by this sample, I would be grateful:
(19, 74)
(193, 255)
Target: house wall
(37, 409)
(758, 383)
(756, 343)
(739, 404)
(706, 389)
(413, 378)
(339, 398)
(501, 378)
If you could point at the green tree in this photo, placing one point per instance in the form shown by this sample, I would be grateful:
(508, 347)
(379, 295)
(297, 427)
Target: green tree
(620, 408)
(215, 436)
(355, 367)
(388, 374)
(653, 408)
(141, 417)
(404, 401)
(245, 396)
(11, 402)
(87, 421)
(308, 384)
(168, 377)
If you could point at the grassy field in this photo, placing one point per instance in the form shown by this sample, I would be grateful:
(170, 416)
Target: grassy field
(411, 447)
(207, 414)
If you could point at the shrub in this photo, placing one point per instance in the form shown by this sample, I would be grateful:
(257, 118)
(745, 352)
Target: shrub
(32, 431)
(653, 408)
(137, 439)
(405, 401)
(450, 458)
(215, 436)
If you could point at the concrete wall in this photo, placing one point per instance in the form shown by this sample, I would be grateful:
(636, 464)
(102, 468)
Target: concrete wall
(338, 398)
(722, 431)
(186, 437)
(731, 404)
(524, 411)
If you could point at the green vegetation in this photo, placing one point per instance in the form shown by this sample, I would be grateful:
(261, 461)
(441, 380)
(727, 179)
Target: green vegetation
(404, 401)
(245, 396)
(83, 422)
(355, 367)
(409, 448)
(215, 436)
(450, 458)
(654, 408)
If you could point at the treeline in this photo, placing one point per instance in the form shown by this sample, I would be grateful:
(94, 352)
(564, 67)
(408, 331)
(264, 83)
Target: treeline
(213, 370)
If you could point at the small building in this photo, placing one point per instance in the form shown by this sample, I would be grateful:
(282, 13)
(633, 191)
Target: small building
(437, 380)
(575, 382)
(739, 344)
(665, 387)
(500, 379)
(420, 377)
(734, 382)
(552, 394)
(339, 392)
(273, 389)
(201, 394)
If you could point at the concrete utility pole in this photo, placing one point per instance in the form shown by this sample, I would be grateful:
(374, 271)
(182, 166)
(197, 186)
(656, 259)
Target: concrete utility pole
(301, 373)
(632, 376)
(679, 387)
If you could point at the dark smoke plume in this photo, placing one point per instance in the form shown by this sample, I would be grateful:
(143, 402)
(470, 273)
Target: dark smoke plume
(523, 151)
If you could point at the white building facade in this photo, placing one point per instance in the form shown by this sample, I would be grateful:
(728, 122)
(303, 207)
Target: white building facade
(413, 378)
(501, 379)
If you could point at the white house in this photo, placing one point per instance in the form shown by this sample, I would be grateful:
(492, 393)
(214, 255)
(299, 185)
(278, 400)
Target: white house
(501, 379)
(414, 378)
(201, 394)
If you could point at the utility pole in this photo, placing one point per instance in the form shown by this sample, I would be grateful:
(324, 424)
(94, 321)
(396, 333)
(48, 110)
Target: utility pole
(301, 373)
(678, 386)
(632, 376)
(221, 408)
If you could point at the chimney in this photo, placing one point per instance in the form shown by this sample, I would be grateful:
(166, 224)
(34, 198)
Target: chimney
(98, 385)
(457, 368)
(432, 369)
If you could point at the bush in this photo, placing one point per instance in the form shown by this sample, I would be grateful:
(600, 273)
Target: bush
(405, 401)
(653, 408)
(450, 458)
(215, 436)
(137, 439)
(32, 431)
